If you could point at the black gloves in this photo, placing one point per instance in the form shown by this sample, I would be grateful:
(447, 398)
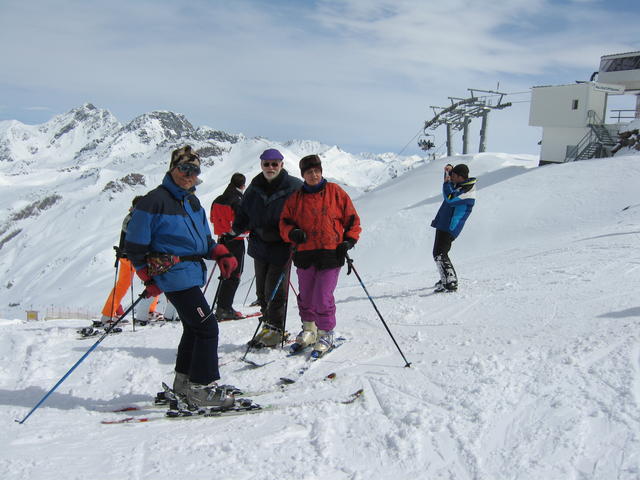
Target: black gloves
(297, 236)
(347, 244)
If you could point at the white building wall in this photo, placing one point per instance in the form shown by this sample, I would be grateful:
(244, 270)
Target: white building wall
(556, 140)
(597, 101)
(563, 112)
(565, 105)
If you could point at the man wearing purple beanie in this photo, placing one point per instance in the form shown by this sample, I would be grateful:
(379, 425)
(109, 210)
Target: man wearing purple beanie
(260, 214)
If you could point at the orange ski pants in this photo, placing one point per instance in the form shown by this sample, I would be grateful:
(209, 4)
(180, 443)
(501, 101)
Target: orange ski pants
(125, 277)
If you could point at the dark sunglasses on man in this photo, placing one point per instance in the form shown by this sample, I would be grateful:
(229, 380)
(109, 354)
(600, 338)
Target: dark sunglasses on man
(270, 164)
(189, 169)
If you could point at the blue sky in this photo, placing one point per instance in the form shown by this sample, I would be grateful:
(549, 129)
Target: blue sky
(360, 74)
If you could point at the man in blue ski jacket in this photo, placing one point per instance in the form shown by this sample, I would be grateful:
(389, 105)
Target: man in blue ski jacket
(167, 238)
(459, 192)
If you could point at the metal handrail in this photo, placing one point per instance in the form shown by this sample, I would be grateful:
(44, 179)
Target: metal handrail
(592, 118)
(620, 117)
(574, 152)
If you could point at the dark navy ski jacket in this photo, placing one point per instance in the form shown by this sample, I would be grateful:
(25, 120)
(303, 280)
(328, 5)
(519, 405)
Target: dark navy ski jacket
(170, 220)
(260, 213)
(459, 200)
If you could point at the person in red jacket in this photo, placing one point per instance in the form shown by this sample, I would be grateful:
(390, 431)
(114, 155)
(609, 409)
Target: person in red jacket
(321, 221)
(223, 211)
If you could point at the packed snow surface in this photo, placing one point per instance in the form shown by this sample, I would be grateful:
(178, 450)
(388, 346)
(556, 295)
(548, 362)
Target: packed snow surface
(530, 371)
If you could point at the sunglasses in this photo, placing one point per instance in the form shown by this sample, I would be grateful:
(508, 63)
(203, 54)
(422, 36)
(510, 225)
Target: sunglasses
(270, 164)
(189, 169)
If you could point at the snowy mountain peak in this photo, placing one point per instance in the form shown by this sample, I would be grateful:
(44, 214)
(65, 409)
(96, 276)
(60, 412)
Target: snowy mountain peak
(56, 141)
(168, 125)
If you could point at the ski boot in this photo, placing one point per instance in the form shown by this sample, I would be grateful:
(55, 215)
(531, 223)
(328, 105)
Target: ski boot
(179, 390)
(448, 278)
(227, 314)
(106, 321)
(209, 397)
(307, 336)
(324, 343)
(269, 336)
(439, 287)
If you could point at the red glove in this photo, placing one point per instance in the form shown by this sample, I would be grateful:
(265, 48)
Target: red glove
(224, 259)
(151, 290)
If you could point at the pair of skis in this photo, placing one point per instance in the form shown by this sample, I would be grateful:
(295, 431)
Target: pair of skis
(242, 406)
(163, 399)
(293, 352)
(246, 406)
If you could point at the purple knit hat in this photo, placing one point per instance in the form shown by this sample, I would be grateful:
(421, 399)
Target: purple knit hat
(271, 154)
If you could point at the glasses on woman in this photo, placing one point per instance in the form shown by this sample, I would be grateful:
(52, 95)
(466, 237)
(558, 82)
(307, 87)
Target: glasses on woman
(189, 169)
(270, 164)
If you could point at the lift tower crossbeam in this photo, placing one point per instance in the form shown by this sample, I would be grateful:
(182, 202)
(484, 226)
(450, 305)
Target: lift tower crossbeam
(458, 116)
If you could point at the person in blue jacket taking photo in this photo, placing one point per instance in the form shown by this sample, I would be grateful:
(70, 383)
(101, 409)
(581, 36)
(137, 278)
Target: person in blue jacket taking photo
(167, 239)
(459, 192)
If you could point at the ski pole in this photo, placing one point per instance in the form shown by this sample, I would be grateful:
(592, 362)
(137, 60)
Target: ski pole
(209, 279)
(352, 268)
(91, 349)
(247, 295)
(215, 297)
(286, 303)
(133, 312)
(115, 281)
(271, 297)
(293, 288)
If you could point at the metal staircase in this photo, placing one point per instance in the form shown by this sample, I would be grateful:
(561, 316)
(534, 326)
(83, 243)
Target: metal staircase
(596, 143)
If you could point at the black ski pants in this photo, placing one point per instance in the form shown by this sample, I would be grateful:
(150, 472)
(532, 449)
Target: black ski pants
(442, 243)
(198, 348)
(267, 277)
(229, 285)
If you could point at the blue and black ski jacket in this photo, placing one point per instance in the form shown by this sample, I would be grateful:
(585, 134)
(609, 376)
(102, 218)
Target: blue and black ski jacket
(459, 199)
(170, 220)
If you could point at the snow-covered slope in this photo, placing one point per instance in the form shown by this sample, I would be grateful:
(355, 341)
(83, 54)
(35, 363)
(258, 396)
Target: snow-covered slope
(530, 371)
(68, 183)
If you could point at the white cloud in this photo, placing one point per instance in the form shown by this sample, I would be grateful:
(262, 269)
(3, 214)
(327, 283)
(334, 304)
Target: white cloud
(349, 72)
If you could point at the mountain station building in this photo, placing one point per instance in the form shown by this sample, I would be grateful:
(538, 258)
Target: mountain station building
(573, 116)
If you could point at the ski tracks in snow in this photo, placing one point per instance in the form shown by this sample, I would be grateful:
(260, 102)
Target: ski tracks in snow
(542, 386)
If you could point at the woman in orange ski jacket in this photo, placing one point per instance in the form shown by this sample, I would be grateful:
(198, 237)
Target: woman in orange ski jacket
(322, 222)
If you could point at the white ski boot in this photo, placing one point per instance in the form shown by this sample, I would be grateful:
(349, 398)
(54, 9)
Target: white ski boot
(307, 336)
(448, 278)
(323, 344)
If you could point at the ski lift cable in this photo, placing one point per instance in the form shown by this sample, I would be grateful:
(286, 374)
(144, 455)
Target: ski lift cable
(510, 93)
(409, 142)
